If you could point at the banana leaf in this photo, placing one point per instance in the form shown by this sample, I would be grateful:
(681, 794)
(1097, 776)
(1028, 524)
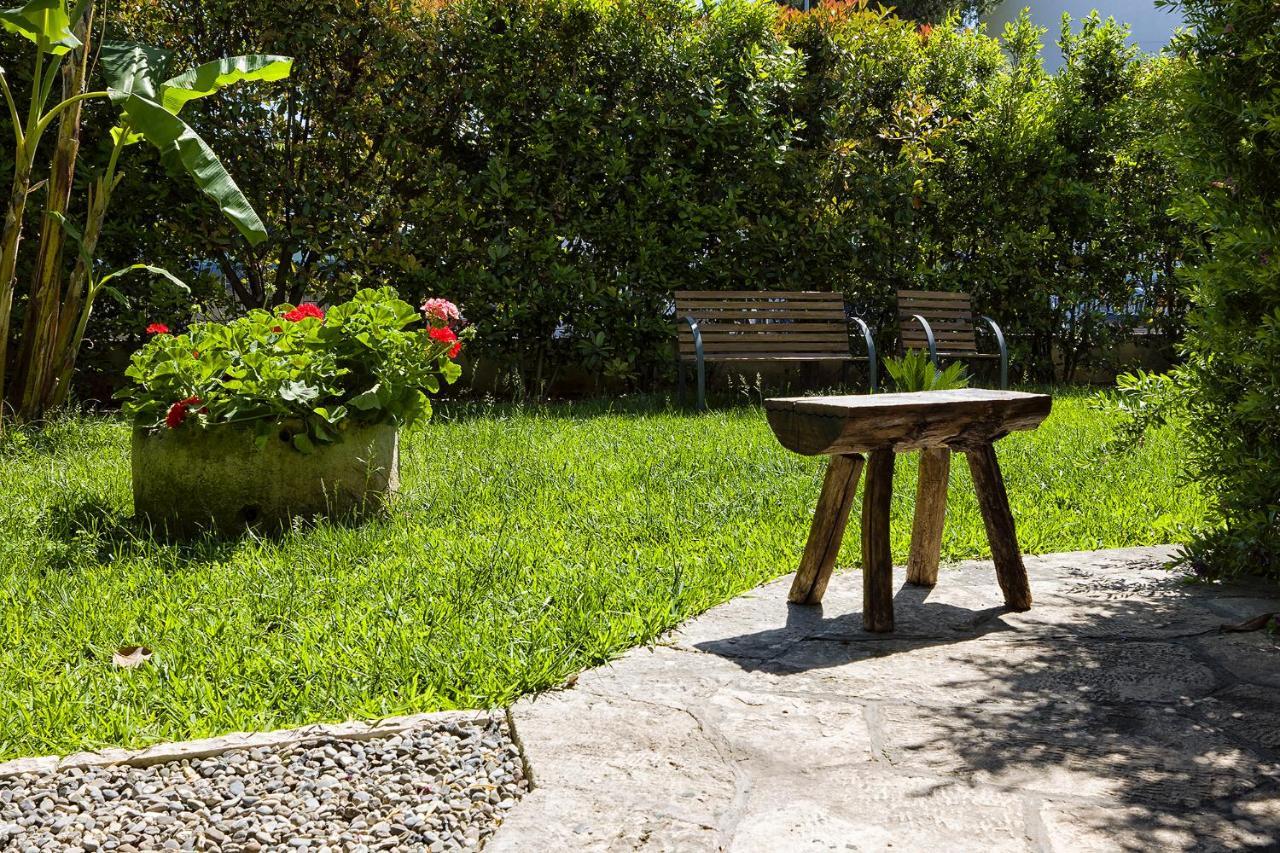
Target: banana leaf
(42, 19)
(133, 69)
(181, 148)
(205, 80)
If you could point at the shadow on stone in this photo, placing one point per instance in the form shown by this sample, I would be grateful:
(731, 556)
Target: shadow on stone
(1131, 722)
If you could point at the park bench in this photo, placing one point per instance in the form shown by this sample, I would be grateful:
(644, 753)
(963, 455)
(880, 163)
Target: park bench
(764, 326)
(942, 322)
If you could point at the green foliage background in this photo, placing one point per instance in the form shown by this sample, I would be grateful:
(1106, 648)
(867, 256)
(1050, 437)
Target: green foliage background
(1229, 148)
(559, 167)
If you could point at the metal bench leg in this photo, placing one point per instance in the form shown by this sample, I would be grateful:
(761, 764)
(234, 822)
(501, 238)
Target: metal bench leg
(702, 381)
(696, 330)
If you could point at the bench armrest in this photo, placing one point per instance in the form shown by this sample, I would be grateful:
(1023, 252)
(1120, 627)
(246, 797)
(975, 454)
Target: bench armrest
(1004, 351)
(696, 328)
(933, 342)
(870, 341)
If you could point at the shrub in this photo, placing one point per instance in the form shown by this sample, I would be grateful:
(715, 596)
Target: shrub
(368, 361)
(564, 165)
(1229, 149)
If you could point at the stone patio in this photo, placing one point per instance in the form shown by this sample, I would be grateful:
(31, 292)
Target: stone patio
(1115, 715)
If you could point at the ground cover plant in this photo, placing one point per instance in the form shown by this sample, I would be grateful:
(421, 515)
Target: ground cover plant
(526, 545)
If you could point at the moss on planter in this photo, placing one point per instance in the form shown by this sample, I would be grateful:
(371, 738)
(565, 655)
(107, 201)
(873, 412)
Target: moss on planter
(215, 478)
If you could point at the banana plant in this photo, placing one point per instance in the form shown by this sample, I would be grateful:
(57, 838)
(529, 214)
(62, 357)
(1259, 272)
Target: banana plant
(149, 102)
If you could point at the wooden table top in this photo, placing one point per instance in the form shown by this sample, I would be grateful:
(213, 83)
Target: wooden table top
(858, 423)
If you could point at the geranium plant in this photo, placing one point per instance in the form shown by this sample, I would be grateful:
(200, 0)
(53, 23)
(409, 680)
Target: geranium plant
(299, 371)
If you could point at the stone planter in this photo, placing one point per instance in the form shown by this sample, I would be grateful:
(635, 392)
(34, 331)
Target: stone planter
(189, 480)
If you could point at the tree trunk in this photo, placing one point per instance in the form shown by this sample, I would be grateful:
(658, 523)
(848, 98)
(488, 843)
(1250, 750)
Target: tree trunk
(9, 260)
(75, 318)
(36, 365)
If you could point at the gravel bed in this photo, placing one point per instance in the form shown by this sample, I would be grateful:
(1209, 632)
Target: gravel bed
(440, 787)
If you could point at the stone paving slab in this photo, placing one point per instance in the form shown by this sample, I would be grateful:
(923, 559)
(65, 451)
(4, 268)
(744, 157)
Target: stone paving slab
(1114, 715)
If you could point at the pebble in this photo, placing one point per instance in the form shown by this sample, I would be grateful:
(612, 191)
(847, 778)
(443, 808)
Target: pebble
(439, 787)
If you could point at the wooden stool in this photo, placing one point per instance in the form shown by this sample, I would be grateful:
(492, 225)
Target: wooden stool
(881, 425)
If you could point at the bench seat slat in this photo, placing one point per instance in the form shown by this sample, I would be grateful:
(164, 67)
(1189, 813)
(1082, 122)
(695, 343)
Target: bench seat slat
(766, 328)
(780, 346)
(825, 295)
(777, 356)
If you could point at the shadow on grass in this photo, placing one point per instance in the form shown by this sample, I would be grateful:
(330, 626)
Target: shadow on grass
(1117, 706)
(85, 528)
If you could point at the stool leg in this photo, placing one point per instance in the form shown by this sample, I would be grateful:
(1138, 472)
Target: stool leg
(877, 560)
(931, 514)
(827, 530)
(998, 519)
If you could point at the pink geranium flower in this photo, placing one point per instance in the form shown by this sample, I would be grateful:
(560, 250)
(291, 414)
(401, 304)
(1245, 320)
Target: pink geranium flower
(441, 309)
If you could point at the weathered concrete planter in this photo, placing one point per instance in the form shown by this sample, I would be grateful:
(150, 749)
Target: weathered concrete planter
(192, 479)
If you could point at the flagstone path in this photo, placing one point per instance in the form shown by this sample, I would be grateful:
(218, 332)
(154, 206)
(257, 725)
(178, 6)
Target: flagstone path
(1114, 715)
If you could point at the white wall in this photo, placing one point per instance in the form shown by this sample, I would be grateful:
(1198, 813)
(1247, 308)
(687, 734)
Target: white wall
(1150, 27)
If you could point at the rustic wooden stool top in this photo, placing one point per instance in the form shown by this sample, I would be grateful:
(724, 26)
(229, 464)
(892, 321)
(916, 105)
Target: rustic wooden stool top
(845, 428)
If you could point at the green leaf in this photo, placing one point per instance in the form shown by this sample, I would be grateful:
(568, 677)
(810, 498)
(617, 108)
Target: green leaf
(298, 392)
(367, 400)
(158, 271)
(181, 147)
(303, 443)
(205, 80)
(73, 231)
(117, 296)
(133, 69)
(42, 20)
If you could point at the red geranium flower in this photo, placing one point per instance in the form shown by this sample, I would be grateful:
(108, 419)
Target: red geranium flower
(157, 329)
(303, 311)
(445, 335)
(178, 412)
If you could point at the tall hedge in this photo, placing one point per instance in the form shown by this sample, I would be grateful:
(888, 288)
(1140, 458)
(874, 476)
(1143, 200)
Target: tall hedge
(1230, 148)
(561, 166)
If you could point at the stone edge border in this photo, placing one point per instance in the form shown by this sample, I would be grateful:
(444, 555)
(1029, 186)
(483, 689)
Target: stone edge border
(163, 753)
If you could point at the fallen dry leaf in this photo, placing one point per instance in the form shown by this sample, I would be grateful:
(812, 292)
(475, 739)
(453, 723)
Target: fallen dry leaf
(128, 657)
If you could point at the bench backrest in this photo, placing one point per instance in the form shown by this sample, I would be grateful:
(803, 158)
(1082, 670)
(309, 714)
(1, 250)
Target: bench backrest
(764, 323)
(950, 315)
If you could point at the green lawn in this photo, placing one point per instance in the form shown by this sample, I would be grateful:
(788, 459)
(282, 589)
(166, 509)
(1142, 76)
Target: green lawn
(526, 545)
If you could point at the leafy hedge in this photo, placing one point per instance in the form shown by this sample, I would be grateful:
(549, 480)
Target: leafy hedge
(1230, 148)
(563, 165)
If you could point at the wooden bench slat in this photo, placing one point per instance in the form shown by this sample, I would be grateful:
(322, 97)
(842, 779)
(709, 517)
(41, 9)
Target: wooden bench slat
(766, 328)
(825, 295)
(939, 295)
(840, 345)
(719, 305)
(726, 337)
(938, 335)
(784, 314)
(778, 356)
(929, 314)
